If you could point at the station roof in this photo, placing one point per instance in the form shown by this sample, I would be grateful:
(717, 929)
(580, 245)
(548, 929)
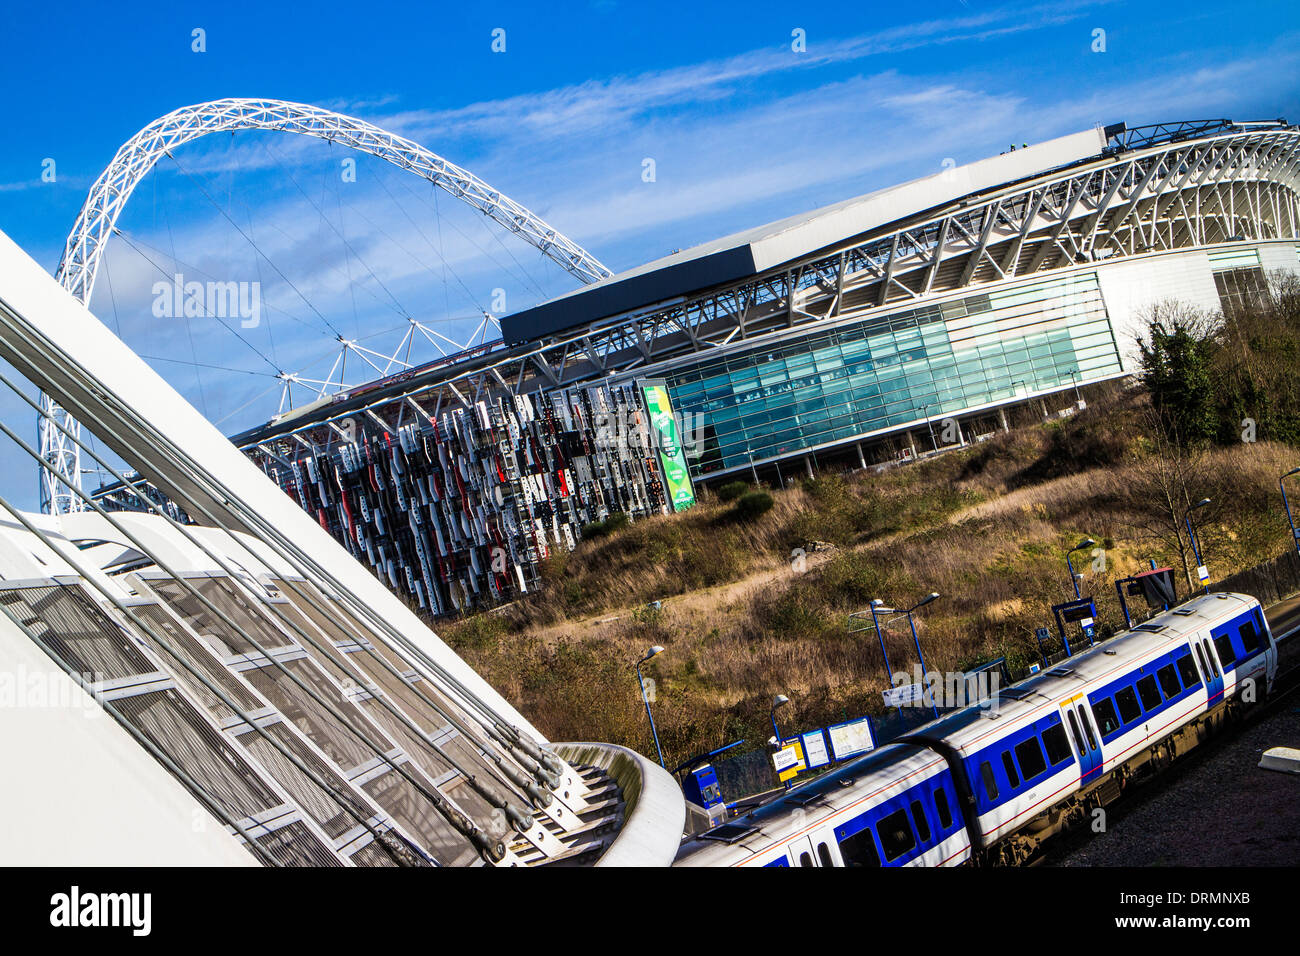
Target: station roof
(753, 251)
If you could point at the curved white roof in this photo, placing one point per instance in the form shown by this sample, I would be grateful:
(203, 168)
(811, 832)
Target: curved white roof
(756, 250)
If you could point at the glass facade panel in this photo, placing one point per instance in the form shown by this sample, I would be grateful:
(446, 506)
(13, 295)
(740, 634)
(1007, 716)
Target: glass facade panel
(892, 370)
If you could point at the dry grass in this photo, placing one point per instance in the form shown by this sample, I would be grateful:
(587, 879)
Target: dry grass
(987, 527)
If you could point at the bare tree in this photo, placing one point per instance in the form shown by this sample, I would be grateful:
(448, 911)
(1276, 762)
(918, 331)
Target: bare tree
(1170, 478)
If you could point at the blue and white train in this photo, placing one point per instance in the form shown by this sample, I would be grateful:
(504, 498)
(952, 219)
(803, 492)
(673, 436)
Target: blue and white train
(989, 784)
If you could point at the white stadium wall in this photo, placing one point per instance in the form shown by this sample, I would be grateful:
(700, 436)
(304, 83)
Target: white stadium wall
(1132, 287)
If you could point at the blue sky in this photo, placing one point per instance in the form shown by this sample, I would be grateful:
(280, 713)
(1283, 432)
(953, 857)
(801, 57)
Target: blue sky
(742, 130)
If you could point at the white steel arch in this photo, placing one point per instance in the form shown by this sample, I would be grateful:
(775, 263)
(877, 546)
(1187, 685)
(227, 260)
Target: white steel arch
(108, 196)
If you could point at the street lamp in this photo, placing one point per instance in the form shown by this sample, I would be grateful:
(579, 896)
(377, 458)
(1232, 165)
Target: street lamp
(1196, 545)
(780, 700)
(1074, 578)
(1295, 535)
(925, 410)
(657, 649)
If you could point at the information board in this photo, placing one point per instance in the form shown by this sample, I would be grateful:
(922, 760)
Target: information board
(851, 738)
(814, 749)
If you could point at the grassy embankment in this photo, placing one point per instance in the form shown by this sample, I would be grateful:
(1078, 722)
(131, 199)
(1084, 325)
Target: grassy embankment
(986, 526)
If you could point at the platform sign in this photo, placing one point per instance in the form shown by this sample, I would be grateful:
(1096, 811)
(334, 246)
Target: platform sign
(672, 457)
(903, 695)
(788, 761)
(1155, 587)
(814, 748)
(1203, 574)
(852, 738)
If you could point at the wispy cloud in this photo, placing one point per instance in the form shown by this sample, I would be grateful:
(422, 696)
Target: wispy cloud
(596, 104)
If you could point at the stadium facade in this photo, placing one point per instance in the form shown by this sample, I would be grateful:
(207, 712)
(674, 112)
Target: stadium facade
(891, 324)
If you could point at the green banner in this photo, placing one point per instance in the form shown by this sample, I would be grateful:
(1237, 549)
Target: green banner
(672, 458)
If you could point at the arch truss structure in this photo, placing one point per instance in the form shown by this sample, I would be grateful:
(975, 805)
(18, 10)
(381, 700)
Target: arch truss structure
(108, 196)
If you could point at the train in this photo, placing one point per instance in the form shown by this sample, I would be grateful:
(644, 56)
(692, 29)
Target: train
(990, 783)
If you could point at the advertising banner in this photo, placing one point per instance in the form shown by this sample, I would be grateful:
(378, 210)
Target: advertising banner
(672, 457)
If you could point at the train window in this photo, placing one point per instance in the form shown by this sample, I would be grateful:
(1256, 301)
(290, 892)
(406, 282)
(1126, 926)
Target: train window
(1087, 727)
(1029, 754)
(1149, 693)
(805, 859)
(1250, 639)
(1223, 644)
(860, 850)
(1107, 720)
(1187, 671)
(1200, 656)
(922, 824)
(941, 803)
(1009, 766)
(990, 785)
(1127, 701)
(1169, 681)
(1074, 729)
(824, 854)
(1209, 656)
(1058, 748)
(896, 836)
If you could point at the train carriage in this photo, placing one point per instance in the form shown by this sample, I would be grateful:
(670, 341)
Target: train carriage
(992, 781)
(895, 807)
(1067, 739)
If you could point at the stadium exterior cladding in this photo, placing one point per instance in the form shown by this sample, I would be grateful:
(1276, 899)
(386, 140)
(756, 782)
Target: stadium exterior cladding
(948, 298)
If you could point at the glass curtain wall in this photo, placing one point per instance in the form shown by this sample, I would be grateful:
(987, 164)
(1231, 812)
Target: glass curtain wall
(887, 371)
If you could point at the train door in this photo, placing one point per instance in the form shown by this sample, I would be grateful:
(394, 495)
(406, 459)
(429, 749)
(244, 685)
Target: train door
(1074, 714)
(1270, 647)
(1210, 667)
(802, 853)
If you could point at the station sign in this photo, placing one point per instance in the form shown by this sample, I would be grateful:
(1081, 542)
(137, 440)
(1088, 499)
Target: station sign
(789, 761)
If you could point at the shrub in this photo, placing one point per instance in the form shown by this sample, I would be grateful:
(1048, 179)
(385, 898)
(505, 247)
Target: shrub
(749, 506)
(601, 529)
(732, 490)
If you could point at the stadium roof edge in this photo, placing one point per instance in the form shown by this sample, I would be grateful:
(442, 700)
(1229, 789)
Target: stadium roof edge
(756, 250)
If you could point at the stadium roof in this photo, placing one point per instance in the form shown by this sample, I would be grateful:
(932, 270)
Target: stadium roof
(753, 251)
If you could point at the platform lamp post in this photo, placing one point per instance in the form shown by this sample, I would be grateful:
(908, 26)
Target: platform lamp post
(1083, 545)
(645, 699)
(925, 410)
(1290, 519)
(1196, 545)
(780, 700)
(749, 453)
